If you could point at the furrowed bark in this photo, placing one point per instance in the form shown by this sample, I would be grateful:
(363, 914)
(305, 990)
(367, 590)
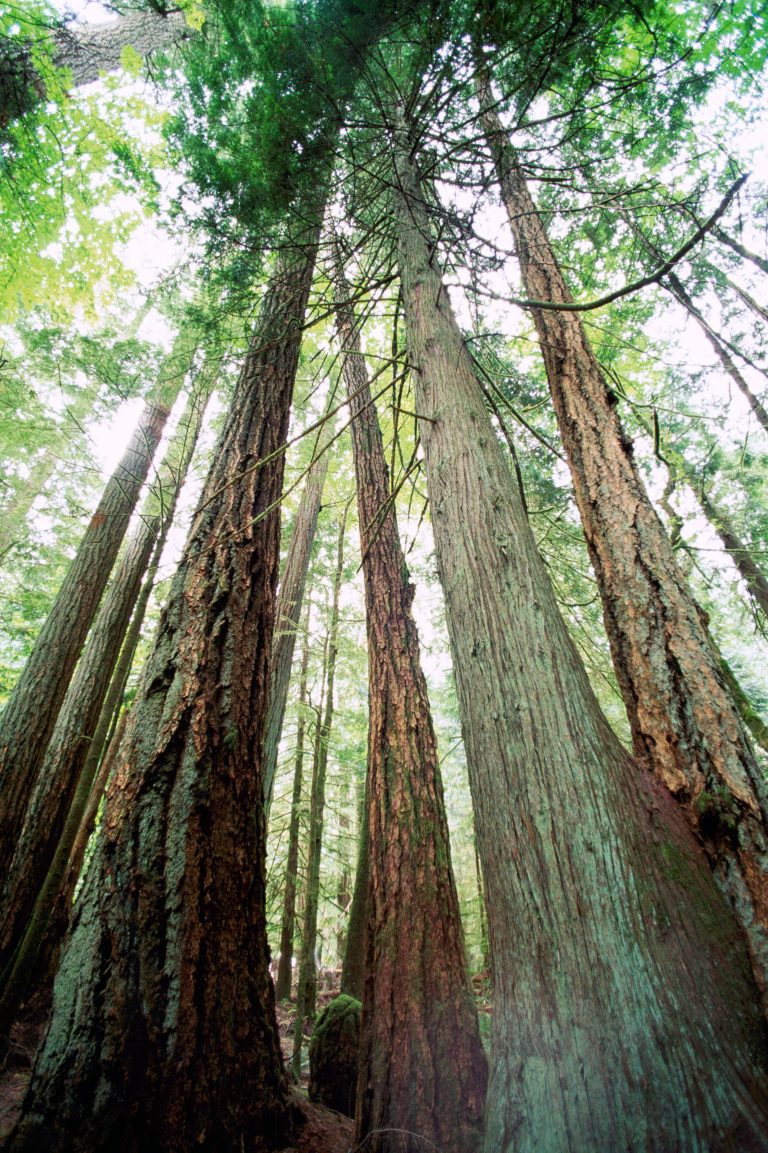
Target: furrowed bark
(422, 1067)
(625, 1013)
(33, 707)
(66, 776)
(684, 724)
(163, 1035)
(289, 603)
(288, 923)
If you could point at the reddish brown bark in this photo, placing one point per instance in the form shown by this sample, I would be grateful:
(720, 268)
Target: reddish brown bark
(163, 1035)
(684, 723)
(625, 1015)
(30, 715)
(422, 1070)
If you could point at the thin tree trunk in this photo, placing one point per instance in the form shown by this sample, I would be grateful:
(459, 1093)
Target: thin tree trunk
(288, 923)
(684, 723)
(14, 513)
(163, 1035)
(422, 1067)
(31, 712)
(625, 1015)
(353, 965)
(759, 261)
(306, 994)
(289, 603)
(56, 807)
(726, 360)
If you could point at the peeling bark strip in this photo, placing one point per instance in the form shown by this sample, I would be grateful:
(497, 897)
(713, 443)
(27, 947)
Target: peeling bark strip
(684, 723)
(56, 807)
(625, 1015)
(422, 1065)
(163, 1035)
(30, 715)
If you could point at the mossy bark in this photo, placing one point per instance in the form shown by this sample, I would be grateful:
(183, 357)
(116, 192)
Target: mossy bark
(422, 1067)
(684, 724)
(625, 1017)
(33, 707)
(163, 1035)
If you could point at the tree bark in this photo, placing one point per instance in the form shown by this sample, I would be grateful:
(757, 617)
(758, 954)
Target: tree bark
(289, 603)
(288, 923)
(56, 808)
(625, 1014)
(163, 1035)
(759, 261)
(306, 994)
(422, 1067)
(684, 723)
(33, 707)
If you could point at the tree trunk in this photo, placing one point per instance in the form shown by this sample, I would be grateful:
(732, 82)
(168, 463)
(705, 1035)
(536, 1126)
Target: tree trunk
(289, 603)
(759, 261)
(288, 924)
(306, 994)
(58, 802)
(14, 513)
(353, 965)
(31, 712)
(163, 1035)
(625, 1015)
(726, 360)
(684, 723)
(422, 1067)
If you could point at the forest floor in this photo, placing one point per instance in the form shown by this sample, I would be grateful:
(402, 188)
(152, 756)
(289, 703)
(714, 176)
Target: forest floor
(323, 1131)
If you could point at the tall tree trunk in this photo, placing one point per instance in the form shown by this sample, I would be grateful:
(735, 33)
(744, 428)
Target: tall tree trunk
(163, 1034)
(625, 1015)
(306, 994)
(14, 512)
(57, 804)
(289, 602)
(31, 712)
(422, 1065)
(684, 723)
(288, 923)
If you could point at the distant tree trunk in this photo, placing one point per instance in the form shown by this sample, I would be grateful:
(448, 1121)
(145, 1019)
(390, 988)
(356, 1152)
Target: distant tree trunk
(57, 804)
(422, 1067)
(684, 723)
(33, 707)
(14, 512)
(759, 261)
(306, 994)
(353, 964)
(726, 360)
(289, 602)
(625, 1015)
(163, 1035)
(288, 923)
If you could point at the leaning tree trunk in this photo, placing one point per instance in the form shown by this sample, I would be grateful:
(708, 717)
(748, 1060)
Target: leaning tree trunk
(306, 992)
(422, 1067)
(759, 261)
(684, 723)
(288, 922)
(163, 1035)
(289, 602)
(30, 715)
(57, 804)
(625, 1014)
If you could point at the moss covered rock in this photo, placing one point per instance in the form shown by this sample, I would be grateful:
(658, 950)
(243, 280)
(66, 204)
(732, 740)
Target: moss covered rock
(333, 1053)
